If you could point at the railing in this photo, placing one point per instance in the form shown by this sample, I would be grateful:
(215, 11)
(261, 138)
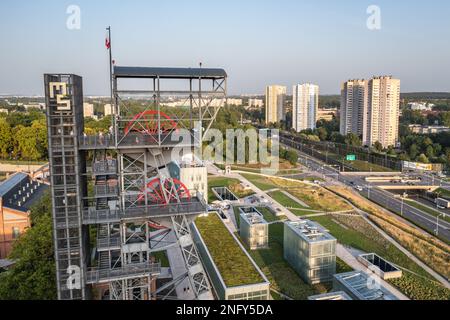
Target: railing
(187, 138)
(105, 167)
(96, 275)
(97, 141)
(106, 243)
(102, 191)
(95, 216)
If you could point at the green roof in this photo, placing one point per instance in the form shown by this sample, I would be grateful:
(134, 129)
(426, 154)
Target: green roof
(234, 265)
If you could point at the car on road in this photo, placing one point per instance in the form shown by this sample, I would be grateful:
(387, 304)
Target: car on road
(359, 188)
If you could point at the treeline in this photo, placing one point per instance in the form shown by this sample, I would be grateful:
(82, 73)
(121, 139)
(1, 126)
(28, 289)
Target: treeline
(23, 136)
(417, 117)
(434, 148)
(425, 95)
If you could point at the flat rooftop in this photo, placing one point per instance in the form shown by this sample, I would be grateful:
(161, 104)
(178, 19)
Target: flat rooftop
(234, 265)
(20, 192)
(168, 72)
(252, 215)
(360, 285)
(310, 231)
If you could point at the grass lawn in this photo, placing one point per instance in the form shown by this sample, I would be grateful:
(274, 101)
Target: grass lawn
(234, 266)
(281, 276)
(285, 201)
(162, 257)
(317, 198)
(426, 209)
(443, 192)
(233, 184)
(365, 166)
(260, 182)
(342, 267)
(360, 165)
(357, 233)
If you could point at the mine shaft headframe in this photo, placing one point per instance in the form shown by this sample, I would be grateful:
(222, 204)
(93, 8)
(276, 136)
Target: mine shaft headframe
(169, 99)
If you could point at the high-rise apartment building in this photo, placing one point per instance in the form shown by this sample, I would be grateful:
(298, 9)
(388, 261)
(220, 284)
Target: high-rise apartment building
(371, 109)
(353, 107)
(383, 111)
(305, 106)
(275, 96)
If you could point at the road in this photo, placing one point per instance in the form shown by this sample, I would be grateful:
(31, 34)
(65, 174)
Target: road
(381, 197)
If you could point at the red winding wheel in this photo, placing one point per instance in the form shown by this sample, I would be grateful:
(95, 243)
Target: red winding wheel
(146, 122)
(173, 188)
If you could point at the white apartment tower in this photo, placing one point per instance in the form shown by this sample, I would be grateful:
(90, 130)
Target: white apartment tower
(353, 107)
(371, 109)
(383, 111)
(275, 96)
(305, 106)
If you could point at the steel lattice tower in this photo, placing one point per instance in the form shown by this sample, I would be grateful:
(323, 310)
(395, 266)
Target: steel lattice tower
(116, 200)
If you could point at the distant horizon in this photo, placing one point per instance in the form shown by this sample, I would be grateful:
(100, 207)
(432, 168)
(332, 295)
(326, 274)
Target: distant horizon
(7, 95)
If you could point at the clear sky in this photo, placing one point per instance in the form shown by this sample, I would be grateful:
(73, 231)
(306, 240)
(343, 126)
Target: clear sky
(258, 42)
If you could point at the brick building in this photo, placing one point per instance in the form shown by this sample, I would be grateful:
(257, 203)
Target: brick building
(17, 195)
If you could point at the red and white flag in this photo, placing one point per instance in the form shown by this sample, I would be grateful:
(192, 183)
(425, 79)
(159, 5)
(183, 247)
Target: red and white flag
(108, 41)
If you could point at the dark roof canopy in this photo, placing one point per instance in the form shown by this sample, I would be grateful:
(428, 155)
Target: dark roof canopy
(165, 73)
(11, 183)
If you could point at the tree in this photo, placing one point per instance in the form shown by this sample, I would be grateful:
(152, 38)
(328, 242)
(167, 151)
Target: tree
(378, 146)
(353, 140)
(5, 138)
(322, 133)
(413, 151)
(430, 152)
(33, 275)
(423, 159)
(40, 127)
(445, 116)
(26, 143)
(292, 157)
(337, 137)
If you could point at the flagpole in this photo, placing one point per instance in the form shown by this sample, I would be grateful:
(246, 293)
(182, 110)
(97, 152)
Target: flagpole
(113, 107)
